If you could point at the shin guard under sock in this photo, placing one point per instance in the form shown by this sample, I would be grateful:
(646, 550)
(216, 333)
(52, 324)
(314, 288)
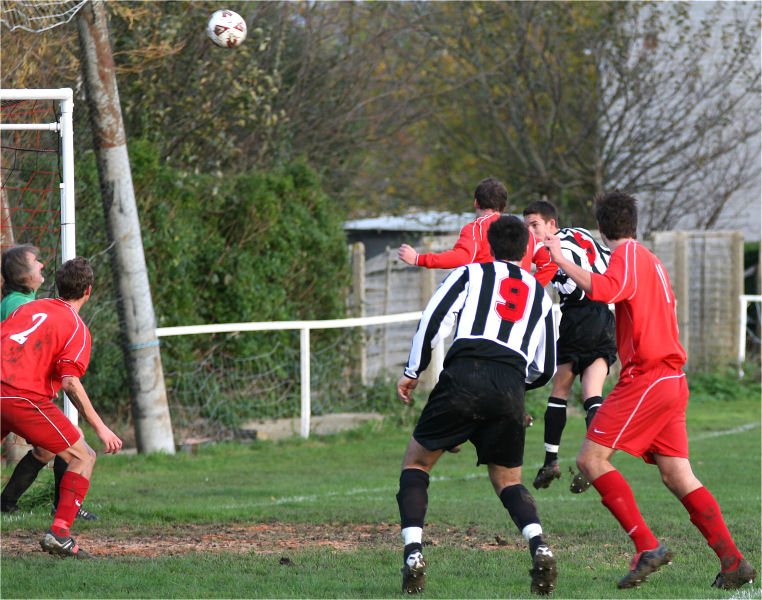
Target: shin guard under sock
(555, 421)
(413, 500)
(616, 495)
(73, 491)
(413, 497)
(707, 517)
(523, 510)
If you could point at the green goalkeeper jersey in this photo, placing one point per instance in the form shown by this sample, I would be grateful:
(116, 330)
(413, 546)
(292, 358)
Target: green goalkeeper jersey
(12, 301)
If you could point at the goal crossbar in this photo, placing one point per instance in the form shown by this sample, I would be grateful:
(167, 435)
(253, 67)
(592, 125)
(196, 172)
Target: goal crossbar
(29, 127)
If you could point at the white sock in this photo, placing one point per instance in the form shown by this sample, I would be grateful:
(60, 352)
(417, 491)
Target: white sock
(531, 531)
(412, 535)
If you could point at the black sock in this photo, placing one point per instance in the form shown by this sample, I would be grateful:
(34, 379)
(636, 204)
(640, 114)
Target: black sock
(534, 543)
(555, 421)
(520, 505)
(410, 548)
(23, 476)
(523, 510)
(59, 468)
(591, 406)
(413, 497)
(413, 500)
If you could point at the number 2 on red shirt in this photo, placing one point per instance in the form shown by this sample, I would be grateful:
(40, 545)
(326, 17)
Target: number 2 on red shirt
(21, 337)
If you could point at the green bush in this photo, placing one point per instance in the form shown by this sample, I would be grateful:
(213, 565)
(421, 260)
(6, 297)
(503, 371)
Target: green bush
(219, 248)
(725, 384)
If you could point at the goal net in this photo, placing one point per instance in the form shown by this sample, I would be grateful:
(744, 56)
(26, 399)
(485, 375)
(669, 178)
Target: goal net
(36, 15)
(37, 188)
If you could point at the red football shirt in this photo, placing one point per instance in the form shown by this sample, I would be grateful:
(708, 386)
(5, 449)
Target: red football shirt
(646, 318)
(40, 343)
(473, 247)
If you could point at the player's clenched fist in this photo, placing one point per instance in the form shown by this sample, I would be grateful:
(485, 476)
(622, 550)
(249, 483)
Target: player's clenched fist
(553, 244)
(407, 254)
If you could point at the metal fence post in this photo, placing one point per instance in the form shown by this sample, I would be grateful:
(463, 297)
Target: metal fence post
(304, 360)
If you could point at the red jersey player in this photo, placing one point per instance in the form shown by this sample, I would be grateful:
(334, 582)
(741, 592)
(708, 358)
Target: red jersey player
(472, 246)
(644, 414)
(45, 347)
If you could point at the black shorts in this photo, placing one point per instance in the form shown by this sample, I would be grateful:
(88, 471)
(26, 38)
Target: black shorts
(481, 401)
(587, 332)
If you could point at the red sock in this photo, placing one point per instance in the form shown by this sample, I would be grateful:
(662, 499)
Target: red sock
(616, 495)
(707, 517)
(73, 489)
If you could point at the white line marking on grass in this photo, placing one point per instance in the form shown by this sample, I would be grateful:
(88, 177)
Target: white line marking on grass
(711, 434)
(747, 593)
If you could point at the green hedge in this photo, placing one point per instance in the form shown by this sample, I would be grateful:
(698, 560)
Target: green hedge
(253, 246)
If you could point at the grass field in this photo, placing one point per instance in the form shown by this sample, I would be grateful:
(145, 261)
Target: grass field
(318, 519)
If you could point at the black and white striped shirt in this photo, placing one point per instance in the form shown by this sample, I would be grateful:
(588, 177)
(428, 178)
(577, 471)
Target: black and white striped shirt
(579, 246)
(500, 312)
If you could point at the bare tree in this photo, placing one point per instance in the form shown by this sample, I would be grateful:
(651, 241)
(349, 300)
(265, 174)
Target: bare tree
(566, 99)
(679, 106)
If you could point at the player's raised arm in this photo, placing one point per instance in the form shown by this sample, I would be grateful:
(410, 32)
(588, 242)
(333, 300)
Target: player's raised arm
(407, 254)
(577, 273)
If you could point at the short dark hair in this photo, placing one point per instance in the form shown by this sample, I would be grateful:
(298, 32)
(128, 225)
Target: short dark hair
(15, 268)
(492, 194)
(73, 278)
(617, 215)
(543, 208)
(508, 237)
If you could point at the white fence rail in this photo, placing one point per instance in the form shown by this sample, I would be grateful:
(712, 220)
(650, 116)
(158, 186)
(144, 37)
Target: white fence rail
(304, 328)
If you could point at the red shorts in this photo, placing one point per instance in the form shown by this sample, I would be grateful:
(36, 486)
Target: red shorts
(40, 423)
(644, 415)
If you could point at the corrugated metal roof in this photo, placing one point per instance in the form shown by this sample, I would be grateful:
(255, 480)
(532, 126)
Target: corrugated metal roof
(425, 221)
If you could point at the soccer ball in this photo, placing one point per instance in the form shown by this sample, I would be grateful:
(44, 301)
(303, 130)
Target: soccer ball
(226, 29)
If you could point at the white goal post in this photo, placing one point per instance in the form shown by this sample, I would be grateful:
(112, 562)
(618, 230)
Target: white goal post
(65, 126)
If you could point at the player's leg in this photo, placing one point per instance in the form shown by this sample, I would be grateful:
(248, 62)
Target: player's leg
(592, 379)
(594, 460)
(706, 515)
(499, 443)
(44, 425)
(60, 467)
(413, 500)
(520, 504)
(448, 420)
(23, 476)
(597, 351)
(555, 421)
(75, 482)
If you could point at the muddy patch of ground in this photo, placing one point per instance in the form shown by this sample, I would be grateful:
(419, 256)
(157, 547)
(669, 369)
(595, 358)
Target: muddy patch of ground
(260, 538)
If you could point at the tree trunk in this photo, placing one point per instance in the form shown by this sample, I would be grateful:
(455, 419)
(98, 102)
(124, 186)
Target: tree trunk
(150, 412)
